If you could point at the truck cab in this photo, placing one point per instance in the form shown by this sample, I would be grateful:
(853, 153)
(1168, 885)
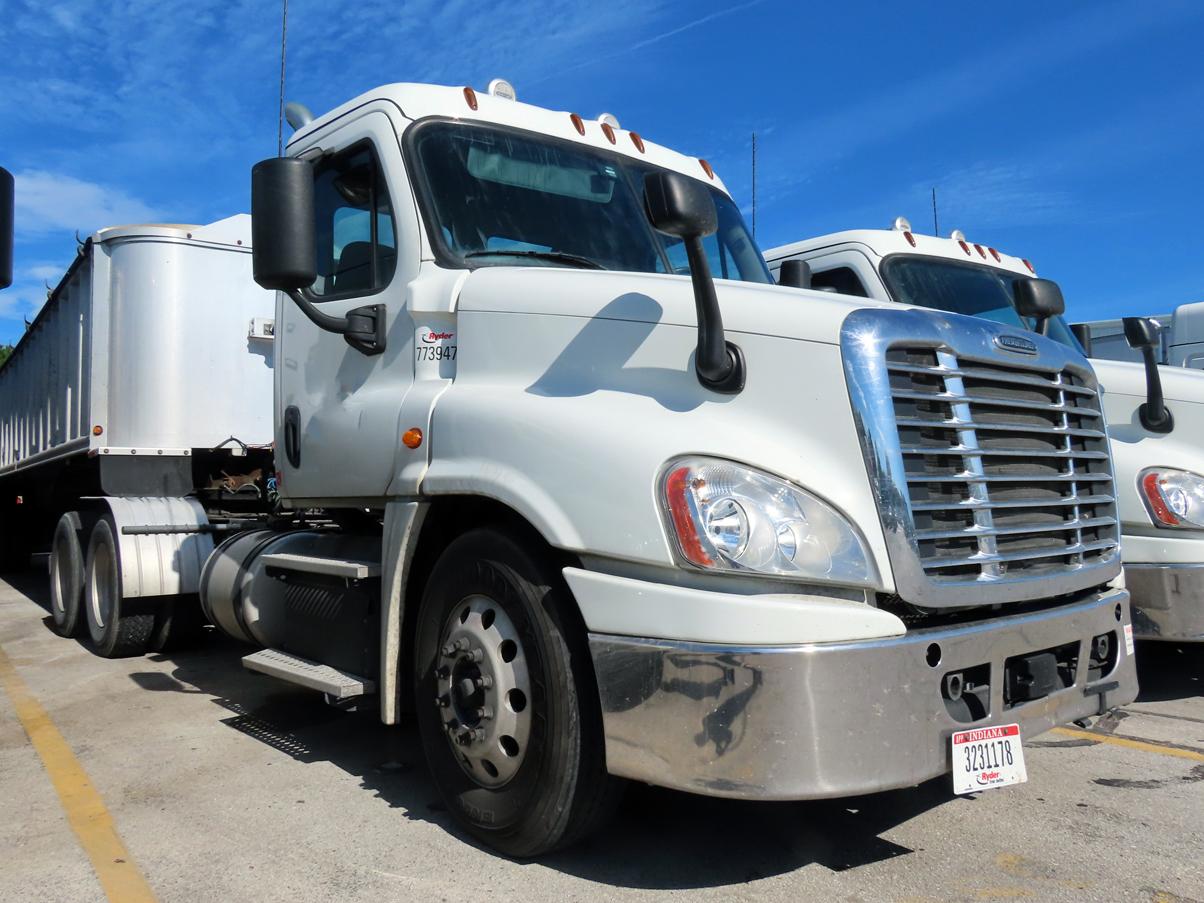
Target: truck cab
(1158, 469)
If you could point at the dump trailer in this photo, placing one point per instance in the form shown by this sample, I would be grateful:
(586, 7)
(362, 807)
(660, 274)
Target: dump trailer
(135, 424)
(603, 502)
(1155, 414)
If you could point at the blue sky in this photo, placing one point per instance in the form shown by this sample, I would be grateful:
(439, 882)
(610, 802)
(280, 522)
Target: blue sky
(1070, 133)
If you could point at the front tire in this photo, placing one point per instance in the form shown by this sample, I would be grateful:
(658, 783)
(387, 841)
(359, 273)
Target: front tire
(506, 698)
(66, 575)
(116, 626)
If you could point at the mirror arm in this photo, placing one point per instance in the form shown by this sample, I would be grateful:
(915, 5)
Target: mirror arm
(1154, 414)
(1041, 327)
(718, 362)
(363, 327)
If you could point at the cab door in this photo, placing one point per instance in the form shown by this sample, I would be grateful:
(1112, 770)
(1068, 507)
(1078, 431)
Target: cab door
(338, 407)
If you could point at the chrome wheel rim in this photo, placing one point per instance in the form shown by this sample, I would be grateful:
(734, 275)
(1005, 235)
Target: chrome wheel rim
(100, 581)
(58, 576)
(483, 691)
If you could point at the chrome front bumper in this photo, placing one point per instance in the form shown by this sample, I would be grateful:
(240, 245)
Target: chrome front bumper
(833, 719)
(1168, 600)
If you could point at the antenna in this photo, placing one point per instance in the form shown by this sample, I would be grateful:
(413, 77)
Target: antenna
(280, 115)
(754, 186)
(936, 229)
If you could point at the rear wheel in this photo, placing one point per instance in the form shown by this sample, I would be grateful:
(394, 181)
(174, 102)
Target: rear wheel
(118, 627)
(66, 575)
(506, 699)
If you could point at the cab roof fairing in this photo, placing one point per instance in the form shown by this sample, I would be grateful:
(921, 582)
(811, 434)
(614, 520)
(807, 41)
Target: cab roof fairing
(419, 101)
(883, 242)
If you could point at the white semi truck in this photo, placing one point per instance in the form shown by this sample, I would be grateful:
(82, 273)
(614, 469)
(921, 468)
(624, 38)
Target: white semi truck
(604, 502)
(135, 425)
(1155, 414)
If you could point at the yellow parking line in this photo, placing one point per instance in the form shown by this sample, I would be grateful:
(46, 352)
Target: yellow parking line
(86, 812)
(1143, 745)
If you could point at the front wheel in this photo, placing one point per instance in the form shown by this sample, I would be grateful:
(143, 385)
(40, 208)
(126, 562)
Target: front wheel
(506, 698)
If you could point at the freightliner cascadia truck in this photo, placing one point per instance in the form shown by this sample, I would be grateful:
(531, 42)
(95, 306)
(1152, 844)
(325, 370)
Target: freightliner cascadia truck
(1155, 414)
(600, 501)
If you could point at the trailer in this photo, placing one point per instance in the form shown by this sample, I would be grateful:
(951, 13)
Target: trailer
(135, 421)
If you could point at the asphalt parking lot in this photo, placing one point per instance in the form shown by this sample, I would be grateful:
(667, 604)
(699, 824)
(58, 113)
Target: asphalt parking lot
(224, 785)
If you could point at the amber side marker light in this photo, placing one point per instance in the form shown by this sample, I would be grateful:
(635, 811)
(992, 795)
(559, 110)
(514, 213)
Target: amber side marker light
(412, 438)
(470, 96)
(97, 430)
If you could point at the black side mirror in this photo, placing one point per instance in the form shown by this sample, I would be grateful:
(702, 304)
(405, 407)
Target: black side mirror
(282, 224)
(682, 207)
(1142, 334)
(1039, 299)
(6, 228)
(795, 274)
(1082, 332)
(283, 248)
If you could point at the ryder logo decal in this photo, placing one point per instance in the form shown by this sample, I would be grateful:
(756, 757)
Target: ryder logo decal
(431, 337)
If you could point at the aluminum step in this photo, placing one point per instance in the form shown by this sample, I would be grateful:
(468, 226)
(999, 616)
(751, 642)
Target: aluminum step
(314, 675)
(348, 569)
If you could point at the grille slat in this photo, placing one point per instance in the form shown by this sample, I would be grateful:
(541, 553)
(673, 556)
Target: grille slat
(965, 477)
(1015, 503)
(1059, 527)
(1075, 549)
(995, 402)
(960, 451)
(989, 375)
(979, 426)
(1006, 468)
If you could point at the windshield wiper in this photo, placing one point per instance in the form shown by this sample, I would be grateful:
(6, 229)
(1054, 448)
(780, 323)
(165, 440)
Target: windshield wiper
(557, 256)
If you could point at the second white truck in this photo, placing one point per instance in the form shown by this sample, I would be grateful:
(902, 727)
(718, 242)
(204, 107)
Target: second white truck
(1155, 414)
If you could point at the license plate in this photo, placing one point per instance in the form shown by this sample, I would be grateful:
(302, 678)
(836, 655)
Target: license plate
(986, 758)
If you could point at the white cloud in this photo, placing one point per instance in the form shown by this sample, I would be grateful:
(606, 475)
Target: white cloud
(48, 202)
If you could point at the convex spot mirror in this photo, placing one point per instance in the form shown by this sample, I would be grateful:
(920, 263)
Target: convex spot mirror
(1039, 299)
(679, 206)
(282, 224)
(795, 274)
(1140, 332)
(6, 228)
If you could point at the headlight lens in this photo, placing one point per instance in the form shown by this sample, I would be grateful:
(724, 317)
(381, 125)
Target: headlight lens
(1174, 498)
(723, 516)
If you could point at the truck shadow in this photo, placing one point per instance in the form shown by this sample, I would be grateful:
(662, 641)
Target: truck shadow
(660, 839)
(1168, 671)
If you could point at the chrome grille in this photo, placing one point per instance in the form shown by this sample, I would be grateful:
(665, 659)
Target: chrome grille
(1006, 468)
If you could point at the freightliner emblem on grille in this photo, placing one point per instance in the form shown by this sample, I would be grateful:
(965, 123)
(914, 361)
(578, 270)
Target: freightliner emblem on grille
(1016, 343)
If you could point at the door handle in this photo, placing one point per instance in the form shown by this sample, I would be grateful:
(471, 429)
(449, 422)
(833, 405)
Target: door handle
(292, 435)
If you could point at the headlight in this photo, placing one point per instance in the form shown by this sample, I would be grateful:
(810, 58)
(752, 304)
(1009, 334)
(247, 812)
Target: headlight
(1174, 498)
(723, 516)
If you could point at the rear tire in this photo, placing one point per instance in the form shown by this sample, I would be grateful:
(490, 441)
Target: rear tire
(66, 575)
(118, 627)
(497, 595)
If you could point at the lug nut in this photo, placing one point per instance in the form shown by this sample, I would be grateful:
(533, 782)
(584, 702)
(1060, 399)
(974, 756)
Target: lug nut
(477, 655)
(485, 713)
(452, 648)
(485, 682)
(442, 701)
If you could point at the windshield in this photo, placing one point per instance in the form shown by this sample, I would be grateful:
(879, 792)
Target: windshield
(963, 288)
(499, 197)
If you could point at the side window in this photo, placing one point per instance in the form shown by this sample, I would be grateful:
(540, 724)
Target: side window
(842, 279)
(357, 250)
